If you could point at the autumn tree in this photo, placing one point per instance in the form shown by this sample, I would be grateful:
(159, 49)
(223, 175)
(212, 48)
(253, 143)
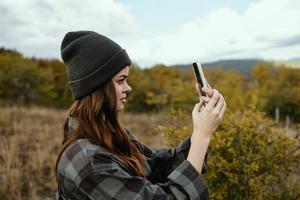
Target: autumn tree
(18, 78)
(53, 88)
(278, 88)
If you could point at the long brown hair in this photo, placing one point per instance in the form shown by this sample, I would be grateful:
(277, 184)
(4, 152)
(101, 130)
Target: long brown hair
(98, 121)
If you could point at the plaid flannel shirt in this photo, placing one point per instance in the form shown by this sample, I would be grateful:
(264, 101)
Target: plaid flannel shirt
(88, 171)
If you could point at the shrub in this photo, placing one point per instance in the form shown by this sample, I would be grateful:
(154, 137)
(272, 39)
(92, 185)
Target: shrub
(249, 156)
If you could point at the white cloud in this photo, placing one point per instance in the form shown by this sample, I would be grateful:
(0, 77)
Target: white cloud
(264, 30)
(267, 29)
(36, 27)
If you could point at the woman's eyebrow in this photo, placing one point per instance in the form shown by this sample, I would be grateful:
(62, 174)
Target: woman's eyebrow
(123, 76)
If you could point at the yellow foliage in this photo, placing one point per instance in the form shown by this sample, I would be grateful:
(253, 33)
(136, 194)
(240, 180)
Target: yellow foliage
(249, 156)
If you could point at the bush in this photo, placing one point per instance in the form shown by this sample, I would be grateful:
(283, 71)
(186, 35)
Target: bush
(249, 156)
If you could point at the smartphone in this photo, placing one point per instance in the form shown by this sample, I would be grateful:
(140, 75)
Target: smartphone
(199, 76)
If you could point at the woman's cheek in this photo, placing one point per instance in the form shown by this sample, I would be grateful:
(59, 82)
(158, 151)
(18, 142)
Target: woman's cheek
(119, 89)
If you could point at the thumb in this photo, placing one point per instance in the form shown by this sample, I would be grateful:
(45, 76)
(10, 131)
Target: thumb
(197, 87)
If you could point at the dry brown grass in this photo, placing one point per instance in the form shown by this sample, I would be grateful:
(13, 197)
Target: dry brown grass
(29, 142)
(143, 126)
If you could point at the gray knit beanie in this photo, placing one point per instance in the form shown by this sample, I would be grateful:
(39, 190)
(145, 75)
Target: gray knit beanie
(91, 60)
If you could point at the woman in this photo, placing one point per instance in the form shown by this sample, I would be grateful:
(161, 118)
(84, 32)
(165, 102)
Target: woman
(99, 158)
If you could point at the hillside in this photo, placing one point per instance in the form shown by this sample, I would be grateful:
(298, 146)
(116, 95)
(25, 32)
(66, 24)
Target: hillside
(242, 65)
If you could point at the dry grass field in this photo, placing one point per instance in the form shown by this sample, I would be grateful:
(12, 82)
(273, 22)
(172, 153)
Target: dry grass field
(29, 142)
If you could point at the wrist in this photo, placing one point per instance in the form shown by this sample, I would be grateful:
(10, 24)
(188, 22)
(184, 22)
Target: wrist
(200, 142)
(200, 135)
(197, 151)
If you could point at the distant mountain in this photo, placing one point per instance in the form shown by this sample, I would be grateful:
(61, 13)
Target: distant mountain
(244, 66)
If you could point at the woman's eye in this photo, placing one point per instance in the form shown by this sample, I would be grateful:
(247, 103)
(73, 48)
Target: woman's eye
(121, 81)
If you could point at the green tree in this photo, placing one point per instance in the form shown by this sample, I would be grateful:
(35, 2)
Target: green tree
(140, 83)
(278, 88)
(18, 79)
(155, 89)
(53, 88)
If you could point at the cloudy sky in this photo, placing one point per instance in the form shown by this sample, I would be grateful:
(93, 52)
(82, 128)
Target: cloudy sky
(158, 31)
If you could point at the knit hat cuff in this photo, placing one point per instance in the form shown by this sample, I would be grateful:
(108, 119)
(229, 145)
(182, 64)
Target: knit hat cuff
(86, 85)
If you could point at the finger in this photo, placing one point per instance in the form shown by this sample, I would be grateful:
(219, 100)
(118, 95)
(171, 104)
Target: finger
(214, 99)
(197, 86)
(219, 105)
(221, 114)
(197, 107)
(205, 99)
(202, 103)
(202, 107)
(208, 91)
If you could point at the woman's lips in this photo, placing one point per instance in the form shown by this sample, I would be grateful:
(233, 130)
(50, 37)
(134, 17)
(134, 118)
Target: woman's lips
(123, 100)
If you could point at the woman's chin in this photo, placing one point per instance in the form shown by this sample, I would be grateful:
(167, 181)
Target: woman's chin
(120, 107)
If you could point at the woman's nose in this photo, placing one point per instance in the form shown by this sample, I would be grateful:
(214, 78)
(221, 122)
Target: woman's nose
(128, 88)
